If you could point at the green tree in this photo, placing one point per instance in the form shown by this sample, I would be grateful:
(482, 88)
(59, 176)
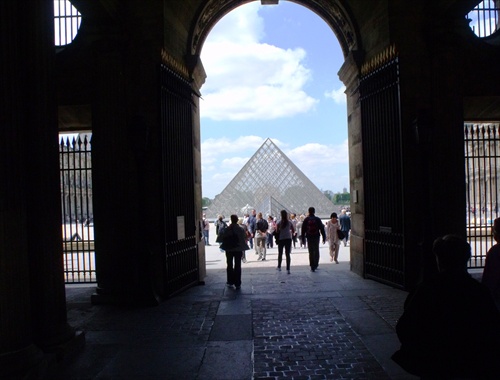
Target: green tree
(329, 194)
(342, 199)
(205, 202)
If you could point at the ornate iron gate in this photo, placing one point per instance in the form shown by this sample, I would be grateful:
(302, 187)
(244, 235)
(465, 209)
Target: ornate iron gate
(383, 174)
(482, 165)
(77, 211)
(178, 181)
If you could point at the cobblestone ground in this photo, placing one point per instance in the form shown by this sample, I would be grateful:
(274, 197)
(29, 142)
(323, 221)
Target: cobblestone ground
(308, 339)
(388, 308)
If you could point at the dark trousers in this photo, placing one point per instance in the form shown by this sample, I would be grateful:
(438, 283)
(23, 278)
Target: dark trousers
(346, 239)
(270, 238)
(233, 270)
(287, 244)
(313, 248)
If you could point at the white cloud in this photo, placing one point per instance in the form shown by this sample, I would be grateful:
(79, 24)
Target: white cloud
(325, 165)
(249, 80)
(338, 95)
(234, 162)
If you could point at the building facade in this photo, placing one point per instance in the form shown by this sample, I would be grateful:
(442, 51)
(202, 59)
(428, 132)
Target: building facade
(414, 72)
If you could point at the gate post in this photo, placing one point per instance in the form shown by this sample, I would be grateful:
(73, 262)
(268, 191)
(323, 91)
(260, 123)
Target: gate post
(32, 294)
(348, 74)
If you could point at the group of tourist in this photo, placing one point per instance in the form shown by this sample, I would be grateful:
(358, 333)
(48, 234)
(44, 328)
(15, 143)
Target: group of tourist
(253, 231)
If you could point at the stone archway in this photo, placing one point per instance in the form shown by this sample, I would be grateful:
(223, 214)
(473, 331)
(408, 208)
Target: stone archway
(335, 14)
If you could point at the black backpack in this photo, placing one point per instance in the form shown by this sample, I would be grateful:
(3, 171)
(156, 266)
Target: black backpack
(312, 227)
(230, 239)
(262, 225)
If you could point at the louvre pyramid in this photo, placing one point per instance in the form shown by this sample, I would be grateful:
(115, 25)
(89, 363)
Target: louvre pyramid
(269, 182)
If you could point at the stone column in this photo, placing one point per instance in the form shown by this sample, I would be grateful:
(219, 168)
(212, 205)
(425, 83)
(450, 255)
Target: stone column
(199, 75)
(43, 198)
(127, 158)
(442, 137)
(32, 289)
(349, 74)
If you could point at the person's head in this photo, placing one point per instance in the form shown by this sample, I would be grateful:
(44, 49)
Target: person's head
(234, 219)
(496, 230)
(240, 220)
(220, 217)
(254, 212)
(292, 216)
(452, 252)
(342, 211)
(333, 215)
(259, 215)
(311, 210)
(302, 217)
(270, 217)
(284, 215)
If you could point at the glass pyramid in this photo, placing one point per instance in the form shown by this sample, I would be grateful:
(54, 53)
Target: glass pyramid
(269, 182)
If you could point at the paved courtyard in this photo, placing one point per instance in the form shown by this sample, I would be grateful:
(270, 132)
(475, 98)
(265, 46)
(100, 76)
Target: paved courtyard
(328, 324)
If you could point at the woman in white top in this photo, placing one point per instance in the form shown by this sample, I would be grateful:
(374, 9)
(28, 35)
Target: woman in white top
(270, 231)
(298, 226)
(331, 235)
(294, 221)
(284, 232)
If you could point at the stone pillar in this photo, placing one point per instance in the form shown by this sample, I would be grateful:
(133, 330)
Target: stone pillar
(32, 289)
(442, 138)
(127, 159)
(349, 74)
(195, 66)
(126, 156)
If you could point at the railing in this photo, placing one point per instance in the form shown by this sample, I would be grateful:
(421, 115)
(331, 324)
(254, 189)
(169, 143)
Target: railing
(482, 165)
(484, 18)
(181, 252)
(383, 174)
(77, 212)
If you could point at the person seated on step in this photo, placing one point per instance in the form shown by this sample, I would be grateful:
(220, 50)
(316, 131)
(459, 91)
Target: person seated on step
(450, 327)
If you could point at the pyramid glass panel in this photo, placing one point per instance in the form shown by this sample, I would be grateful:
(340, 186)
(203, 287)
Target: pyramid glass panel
(269, 182)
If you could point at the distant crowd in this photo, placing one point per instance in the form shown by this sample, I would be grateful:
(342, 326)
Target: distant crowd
(255, 232)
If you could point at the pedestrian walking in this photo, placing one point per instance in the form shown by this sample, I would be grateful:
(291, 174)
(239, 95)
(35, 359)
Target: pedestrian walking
(220, 225)
(247, 236)
(332, 236)
(294, 221)
(312, 229)
(285, 231)
(261, 227)
(252, 219)
(345, 225)
(270, 231)
(234, 244)
(206, 229)
(299, 232)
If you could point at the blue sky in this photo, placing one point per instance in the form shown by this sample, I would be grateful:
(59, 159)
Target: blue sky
(272, 73)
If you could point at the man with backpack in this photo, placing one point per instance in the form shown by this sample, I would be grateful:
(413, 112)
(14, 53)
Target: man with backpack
(234, 243)
(252, 219)
(311, 230)
(261, 227)
(220, 226)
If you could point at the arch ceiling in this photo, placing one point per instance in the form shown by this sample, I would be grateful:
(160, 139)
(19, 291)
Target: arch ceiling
(334, 13)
